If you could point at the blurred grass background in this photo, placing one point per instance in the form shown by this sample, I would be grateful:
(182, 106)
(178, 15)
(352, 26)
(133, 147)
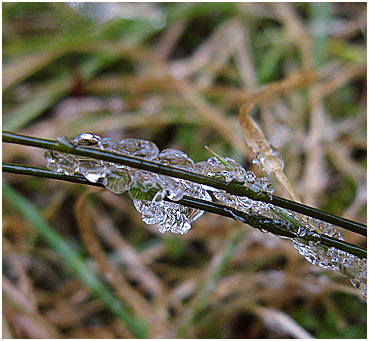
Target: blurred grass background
(80, 263)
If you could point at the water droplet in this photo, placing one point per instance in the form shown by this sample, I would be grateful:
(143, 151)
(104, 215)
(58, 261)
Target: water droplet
(225, 198)
(141, 189)
(266, 184)
(117, 180)
(178, 223)
(315, 239)
(250, 177)
(86, 139)
(63, 140)
(139, 148)
(138, 205)
(153, 214)
(60, 162)
(176, 158)
(148, 191)
(159, 196)
(91, 169)
(269, 162)
(244, 204)
(175, 192)
(108, 144)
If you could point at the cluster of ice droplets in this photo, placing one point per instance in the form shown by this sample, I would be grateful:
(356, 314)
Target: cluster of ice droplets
(145, 188)
(228, 170)
(149, 189)
(332, 258)
(329, 258)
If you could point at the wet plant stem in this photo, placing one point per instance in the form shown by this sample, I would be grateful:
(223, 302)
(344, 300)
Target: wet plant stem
(277, 227)
(235, 188)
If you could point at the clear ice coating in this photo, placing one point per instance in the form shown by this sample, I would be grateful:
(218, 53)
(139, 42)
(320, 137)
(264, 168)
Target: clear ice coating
(269, 160)
(60, 162)
(349, 265)
(148, 191)
(232, 170)
(117, 180)
(138, 148)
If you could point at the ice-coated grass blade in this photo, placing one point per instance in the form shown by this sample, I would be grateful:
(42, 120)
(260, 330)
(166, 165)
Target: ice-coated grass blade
(235, 188)
(204, 205)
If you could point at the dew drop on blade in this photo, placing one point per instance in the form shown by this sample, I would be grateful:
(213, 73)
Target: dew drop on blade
(86, 139)
(139, 148)
(91, 169)
(117, 181)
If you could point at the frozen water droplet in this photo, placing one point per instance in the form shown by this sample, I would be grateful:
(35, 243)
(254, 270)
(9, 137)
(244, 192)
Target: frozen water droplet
(232, 172)
(108, 144)
(244, 204)
(139, 148)
(153, 214)
(138, 205)
(117, 181)
(226, 198)
(175, 192)
(86, 139)
(178, 218)
(250, 177)
(182, 226)
(315, 239)
(60, 162)
(162, 228)
(255, 187)
(175, 188)
(176, 158)
(49, 156)
(176, 221)
(159, 196)
(266, 184)
(67, 165)
(192, 214)
(195, 190)
(335, 259)
(91, 169)
(269, 161)
(148, 191)
(65, 141)
(144, 186)
(202, 167)
(302, 231)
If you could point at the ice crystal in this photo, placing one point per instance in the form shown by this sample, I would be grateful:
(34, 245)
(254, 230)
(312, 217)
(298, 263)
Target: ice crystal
(117, 180)
(230, 170)
(60, 162)
(269, 160)
(138, 148)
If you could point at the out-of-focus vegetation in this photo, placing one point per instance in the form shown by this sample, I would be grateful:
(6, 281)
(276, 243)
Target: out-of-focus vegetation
(83, 265)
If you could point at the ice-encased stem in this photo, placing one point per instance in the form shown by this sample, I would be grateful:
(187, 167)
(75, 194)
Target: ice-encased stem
(234, 187)
(256, 221)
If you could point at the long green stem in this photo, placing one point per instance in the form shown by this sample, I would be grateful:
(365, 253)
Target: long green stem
(235, 188)
(256, 221)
